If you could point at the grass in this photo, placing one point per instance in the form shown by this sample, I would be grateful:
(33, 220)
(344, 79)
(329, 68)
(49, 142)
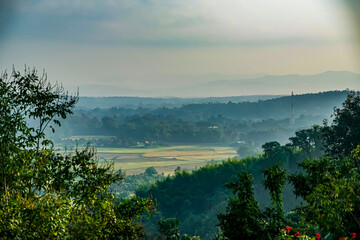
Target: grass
(164, 159)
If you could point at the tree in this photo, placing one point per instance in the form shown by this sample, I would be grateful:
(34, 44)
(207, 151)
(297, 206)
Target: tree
(275, 179)
(24, 98)
(169, 227)
(275, 152)
(343, 135)
(308, 141)
(330, 185)
(242, 219)
(45, 194)
(331, 192)
(150, 171)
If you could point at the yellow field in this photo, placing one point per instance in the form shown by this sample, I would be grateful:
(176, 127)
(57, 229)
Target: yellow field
(164, 159)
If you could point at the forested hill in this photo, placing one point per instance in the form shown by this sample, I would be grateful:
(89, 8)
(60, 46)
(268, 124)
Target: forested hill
(316, 104)
(153, 103)
(319, 104)
(220, 123)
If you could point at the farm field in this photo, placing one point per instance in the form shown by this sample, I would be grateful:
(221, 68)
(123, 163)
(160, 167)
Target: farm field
(164, 159)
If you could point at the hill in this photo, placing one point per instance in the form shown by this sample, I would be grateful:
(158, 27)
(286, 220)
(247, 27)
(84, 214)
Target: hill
(326, 81)
(215, 123)
(220, 86)
(153, 103)
(318, 104)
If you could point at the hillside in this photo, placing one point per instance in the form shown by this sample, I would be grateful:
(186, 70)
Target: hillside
(214, 123)
(196, 198)
(321, 165)
(153, 103)
(318, 104)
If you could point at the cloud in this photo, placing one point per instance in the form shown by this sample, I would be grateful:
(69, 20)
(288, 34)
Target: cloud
(179, 22)
(152, 43)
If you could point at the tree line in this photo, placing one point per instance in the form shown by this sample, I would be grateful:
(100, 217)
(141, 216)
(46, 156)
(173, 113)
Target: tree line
(132, 130)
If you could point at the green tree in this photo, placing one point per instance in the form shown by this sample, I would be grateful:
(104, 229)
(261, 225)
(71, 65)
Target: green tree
(308, 141)
(275, 179)
(343, 134)
(331, 192)
(275, 152)
(150, 171)
(46, 195)
(24, 98)
(330, 185)
(169, 227)
(243, 218)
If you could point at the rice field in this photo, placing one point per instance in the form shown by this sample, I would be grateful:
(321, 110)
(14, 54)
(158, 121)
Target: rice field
(164, 159)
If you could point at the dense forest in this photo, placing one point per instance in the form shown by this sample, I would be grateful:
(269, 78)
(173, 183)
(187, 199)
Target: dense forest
(251, 123)
(307, 188)
(154, 103)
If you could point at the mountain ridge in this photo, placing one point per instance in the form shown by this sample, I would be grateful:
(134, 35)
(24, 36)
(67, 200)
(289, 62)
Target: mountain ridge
(260, 85)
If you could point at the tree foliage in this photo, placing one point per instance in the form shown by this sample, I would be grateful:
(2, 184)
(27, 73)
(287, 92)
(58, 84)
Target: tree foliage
(150, 171)
(275, 179)
(331, 192)
(243, 218)
(23, 98)
(330, 185)
(308, 141)
(169, 227)
(273, 150)
(343, 134)
(46, 195)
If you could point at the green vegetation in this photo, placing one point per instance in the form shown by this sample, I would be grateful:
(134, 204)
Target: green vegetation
(194, 198)
(169, 228)
(222, 124)
(154, 103)
(327, 184)
(44, 195)
(243, 218)
(47, 194)
(126, 188)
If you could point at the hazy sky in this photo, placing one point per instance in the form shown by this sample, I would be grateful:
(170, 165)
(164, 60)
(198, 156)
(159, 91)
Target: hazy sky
(145, 44)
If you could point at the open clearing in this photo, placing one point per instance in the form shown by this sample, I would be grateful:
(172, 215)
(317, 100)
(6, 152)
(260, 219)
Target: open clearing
(164, 159)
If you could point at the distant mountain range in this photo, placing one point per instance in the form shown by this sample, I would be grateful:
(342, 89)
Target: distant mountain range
(257, 85)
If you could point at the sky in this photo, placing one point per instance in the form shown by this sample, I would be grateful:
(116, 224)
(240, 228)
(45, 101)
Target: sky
(131, 45)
